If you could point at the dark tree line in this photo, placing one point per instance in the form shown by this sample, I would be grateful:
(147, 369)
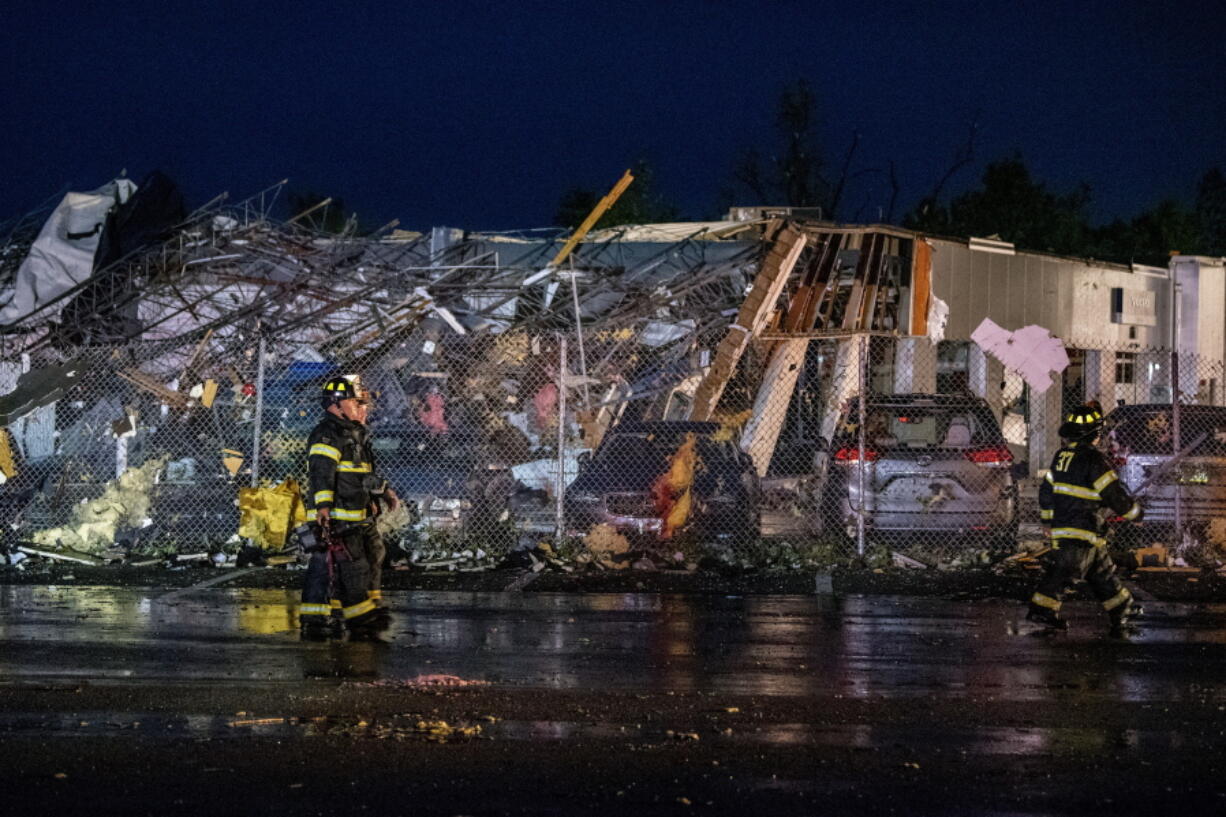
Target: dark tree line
(1008, 202)
(1011, 204)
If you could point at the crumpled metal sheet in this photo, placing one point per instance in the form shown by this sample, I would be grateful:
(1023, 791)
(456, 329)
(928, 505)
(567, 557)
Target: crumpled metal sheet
(37, 388)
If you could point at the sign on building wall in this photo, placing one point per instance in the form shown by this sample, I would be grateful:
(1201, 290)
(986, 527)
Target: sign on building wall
(1138, 307)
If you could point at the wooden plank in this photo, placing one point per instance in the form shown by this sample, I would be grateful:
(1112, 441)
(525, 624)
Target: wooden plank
(196, 355)
(921, 287)
(143, 381)
(829, 278)
(872, 282)
(755, 311)
(851, 315)
(823, 265)
(599, 210)
(802, 298)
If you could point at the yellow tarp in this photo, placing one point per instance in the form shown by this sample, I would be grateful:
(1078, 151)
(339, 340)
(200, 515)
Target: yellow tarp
(7, 466)
(267, 515)
(671, 491)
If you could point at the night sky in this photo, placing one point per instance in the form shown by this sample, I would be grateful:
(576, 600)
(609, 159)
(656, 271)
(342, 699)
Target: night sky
(480, 115)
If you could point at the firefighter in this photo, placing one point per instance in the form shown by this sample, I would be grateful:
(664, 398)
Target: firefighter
(1079, 483)
(339, 491)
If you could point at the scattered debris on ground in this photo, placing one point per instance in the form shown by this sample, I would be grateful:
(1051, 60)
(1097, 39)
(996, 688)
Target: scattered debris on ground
(432, 681)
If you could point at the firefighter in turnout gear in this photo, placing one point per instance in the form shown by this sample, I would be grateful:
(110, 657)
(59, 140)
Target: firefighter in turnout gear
(340, 483)
(1079, 483)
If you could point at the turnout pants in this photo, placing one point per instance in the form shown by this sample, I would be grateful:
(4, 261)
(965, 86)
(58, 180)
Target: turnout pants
(1071, 560)
(376, 552)
(349, 581)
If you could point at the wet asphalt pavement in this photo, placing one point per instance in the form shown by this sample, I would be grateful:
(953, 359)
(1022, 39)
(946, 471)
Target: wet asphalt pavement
(161, 701)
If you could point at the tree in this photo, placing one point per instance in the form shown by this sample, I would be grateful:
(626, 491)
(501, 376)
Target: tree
(641, 203)
(1012, 205)
(929, 214)
(794, 176)
(1149, 238)
(1211, 213)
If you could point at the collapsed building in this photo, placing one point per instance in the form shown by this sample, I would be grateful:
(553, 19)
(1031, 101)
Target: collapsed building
(134, 332)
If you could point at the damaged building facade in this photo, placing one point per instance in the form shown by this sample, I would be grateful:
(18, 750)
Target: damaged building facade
(661, 363)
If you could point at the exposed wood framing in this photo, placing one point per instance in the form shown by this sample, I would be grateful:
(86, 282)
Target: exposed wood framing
(757, 308)
(921, 287)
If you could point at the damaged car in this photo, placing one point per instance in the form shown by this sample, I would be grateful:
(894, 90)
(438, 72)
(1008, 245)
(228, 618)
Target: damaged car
(1140, 441)
(449, 485)
(652, 479)
(931, 465)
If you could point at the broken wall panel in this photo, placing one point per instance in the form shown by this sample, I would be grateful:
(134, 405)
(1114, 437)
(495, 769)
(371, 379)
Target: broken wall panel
(770, 407)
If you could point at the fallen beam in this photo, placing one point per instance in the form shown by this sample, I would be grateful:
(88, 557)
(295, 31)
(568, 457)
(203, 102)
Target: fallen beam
(751, 319)
(61, 557)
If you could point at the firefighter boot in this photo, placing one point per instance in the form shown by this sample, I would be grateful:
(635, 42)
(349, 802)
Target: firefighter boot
(1047, 617)
(380, 619)
(336, 621)
(366, 627)
(315, 629)
(1122, 616)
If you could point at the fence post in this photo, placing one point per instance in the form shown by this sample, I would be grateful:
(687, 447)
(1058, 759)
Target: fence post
(574, 291)
(257, 429)
(1042, 424)
(862, 342)
(915, 366)
(560, 481)
(1176, 439)
(983, 377)
(1100, 378)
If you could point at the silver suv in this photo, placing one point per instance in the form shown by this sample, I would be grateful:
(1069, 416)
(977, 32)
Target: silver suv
(1140, 441)
(934, 465)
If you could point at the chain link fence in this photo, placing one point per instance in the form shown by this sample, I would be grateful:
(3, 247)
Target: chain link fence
(586, 448)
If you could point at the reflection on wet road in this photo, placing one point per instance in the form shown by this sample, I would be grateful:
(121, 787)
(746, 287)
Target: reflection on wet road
(797, 646)
(605, 704)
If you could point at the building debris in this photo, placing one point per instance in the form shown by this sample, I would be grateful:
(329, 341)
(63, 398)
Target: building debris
(93, 524)
(903, 560)
(8, 466)
(769, 326)
(267, 514)
(1031, 351)
(58, 556)
(786, 245)
(62, 256)
(672, 493)
(36, 388)
(607, 547)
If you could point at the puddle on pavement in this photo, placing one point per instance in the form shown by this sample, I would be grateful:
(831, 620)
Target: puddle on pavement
(870, 648)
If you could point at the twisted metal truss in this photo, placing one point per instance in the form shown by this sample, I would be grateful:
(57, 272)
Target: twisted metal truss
(231, 273)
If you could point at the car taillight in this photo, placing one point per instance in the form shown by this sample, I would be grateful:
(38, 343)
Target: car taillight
(997, 455)
(849, 454)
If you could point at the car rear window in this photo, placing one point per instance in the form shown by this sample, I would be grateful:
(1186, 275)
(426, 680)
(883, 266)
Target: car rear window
(905, 427)
(440, 451)
(1152, 431)
(656, 448)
